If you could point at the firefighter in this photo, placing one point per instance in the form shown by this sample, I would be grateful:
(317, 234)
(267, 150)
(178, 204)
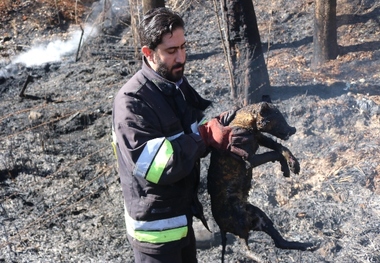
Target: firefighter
(159, 138)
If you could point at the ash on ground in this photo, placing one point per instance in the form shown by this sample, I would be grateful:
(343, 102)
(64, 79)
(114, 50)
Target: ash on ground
(60, 194)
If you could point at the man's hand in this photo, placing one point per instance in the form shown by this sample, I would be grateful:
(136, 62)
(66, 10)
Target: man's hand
(217, 134)
(241, 142)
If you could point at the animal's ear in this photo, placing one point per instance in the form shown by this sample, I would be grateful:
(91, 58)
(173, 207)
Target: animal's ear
(264, 108)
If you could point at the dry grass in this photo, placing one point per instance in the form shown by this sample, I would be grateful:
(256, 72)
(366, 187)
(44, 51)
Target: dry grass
(70, 10)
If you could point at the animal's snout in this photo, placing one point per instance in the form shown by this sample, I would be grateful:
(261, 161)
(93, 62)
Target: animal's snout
(289, 132)
(292, 130)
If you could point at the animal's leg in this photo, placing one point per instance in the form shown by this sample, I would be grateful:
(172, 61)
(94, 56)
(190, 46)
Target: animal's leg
(261, 222)
(287, 159)
(284, 167)
(259, 159)
(291, 160)
(268, 142)
(224, 243)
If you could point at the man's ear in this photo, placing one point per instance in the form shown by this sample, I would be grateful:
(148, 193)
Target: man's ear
(148, 53)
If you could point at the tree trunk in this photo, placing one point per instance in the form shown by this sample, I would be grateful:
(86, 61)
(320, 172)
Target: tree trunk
(150, 4)
(247, 58)
(325, 32)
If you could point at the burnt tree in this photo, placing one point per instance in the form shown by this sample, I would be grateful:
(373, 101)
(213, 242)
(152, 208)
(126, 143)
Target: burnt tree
(247, 63)
(150, 4)
(325, 32)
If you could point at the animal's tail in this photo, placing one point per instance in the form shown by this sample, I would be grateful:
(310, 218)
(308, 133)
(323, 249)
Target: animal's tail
(261, 222)
(197, 210)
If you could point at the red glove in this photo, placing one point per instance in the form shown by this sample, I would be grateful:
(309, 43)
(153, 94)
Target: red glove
(214, 134)
(241, 142)
(236, 140)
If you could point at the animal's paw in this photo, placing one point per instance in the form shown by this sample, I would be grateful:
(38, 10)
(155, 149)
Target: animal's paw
(310, 246)
(294, 165)
(284, 167)
(313, 247)
(292, 161)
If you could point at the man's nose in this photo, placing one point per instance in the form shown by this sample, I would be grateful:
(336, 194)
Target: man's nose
(181, 55)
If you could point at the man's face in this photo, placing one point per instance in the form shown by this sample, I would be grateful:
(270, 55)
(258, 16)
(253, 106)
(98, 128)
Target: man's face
(169, 57)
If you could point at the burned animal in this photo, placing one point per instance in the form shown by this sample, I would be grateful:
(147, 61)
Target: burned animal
(229, 178)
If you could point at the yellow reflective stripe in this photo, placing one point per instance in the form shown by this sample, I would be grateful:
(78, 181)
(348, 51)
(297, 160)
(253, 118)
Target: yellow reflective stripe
(114, 149)
(159, 162)
(194, 126)
(114, 142)
(163, 236)
(157, 231)
(147, 156)
(203, 121)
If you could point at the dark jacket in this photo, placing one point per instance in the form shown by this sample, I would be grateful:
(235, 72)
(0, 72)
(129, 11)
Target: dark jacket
(158, 150)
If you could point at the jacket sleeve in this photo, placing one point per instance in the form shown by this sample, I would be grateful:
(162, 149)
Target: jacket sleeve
(143, 148)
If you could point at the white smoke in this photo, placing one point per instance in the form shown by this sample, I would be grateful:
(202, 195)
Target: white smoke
(55, 50)
(60, 50)
(4, 72)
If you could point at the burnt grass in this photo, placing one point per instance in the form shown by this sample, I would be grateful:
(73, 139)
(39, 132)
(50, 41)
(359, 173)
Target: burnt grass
(60, 198)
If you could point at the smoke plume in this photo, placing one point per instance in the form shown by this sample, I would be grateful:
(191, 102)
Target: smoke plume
(55, 50)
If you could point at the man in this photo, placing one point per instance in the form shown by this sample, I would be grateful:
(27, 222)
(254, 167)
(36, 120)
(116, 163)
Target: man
(159, 141)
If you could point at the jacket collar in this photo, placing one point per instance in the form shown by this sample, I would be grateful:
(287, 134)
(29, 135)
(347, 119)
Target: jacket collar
(170, 88)
(167, 87)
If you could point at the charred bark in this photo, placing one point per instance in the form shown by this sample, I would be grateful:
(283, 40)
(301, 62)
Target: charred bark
(247, 58)
(28, 80)
(325, 32)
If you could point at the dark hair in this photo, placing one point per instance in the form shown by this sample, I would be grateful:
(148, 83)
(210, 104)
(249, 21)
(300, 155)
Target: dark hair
(156, 23)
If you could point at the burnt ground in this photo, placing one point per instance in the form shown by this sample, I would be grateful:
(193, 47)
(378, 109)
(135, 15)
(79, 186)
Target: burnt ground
(60, 195)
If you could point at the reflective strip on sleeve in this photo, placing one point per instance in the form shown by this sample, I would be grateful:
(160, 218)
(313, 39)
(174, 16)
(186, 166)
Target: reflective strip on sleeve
(203, 121)
(158, 231)
(153, 159)
(171, 138)
(194, 127)
(159, 162)
(147, 156)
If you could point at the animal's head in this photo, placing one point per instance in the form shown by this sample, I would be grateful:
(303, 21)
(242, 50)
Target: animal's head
(270, 119)
(264, 117)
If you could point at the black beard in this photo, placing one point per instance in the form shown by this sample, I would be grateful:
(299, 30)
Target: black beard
(164, 71)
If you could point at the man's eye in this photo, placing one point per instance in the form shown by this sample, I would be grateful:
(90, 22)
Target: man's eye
(172, 51)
